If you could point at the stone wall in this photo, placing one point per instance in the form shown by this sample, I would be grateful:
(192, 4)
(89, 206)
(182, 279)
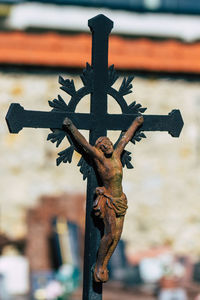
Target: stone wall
(162, 189)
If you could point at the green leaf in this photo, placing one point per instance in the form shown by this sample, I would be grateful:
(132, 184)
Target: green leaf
(56, 136)
(112, 75)
(58, 104)
(126, 86)
(65, 155)
(138, 136)
(87, 77)
(85, 169)
(125, 159)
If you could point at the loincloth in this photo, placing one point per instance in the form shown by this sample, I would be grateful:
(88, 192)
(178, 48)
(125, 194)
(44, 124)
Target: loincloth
(118, 204)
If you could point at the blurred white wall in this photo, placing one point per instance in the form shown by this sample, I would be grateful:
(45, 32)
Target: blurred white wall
(75, 18)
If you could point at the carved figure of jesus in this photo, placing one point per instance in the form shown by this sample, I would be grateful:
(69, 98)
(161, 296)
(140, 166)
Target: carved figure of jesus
(110, 204)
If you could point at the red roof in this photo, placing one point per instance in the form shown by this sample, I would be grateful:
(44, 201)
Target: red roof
(59, 50)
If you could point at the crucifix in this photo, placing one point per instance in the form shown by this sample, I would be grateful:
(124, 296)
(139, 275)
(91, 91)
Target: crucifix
(100, 158)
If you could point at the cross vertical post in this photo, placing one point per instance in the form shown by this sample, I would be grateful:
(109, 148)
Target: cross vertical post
(101, 28)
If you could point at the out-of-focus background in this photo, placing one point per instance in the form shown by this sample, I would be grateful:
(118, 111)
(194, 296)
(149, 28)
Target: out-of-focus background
(42, 207)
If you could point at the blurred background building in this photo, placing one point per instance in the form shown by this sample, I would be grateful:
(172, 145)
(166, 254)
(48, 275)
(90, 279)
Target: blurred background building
(158, 42)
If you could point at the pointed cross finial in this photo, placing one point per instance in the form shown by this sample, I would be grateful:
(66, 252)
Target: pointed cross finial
(101, 23)
(176, 123)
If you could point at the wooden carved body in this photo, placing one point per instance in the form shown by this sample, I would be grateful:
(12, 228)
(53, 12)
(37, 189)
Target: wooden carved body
(110, 203)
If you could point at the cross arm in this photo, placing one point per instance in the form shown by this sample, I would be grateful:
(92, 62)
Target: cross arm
(17, 118)
(173, 122)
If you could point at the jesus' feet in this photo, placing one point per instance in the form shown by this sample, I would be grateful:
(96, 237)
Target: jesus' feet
(100, 274)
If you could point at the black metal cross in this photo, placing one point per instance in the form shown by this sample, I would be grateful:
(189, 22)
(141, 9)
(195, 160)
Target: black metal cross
(98, 80)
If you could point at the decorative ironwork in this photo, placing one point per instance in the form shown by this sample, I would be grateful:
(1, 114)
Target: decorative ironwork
(59, 105)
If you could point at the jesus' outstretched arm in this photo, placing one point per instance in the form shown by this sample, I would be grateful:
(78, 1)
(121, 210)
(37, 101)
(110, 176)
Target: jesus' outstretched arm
(127, 136)
(70, 128)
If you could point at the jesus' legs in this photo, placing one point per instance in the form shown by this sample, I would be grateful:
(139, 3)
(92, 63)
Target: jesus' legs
(112, 232)
(118, 232)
